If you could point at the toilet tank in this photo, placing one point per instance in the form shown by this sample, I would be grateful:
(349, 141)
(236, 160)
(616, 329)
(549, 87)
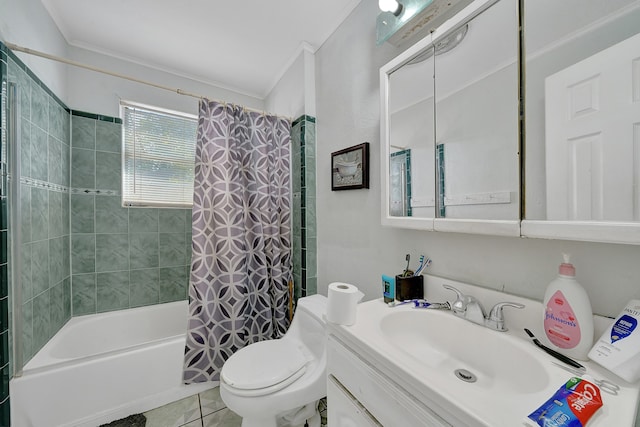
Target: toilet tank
(309, 324)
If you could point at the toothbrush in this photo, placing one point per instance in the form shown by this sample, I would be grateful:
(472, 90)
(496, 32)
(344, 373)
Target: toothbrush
(407, 301)
(406, 270)
(422, 267)
(436, 305)
(559, 356)
(426, 264)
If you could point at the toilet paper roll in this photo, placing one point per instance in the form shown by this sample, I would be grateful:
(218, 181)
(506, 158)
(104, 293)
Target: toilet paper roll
(342, 301)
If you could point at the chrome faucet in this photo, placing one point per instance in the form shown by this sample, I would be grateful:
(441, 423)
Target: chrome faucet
(469, 308)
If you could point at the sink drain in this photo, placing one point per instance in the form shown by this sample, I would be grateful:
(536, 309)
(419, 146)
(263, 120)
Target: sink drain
(465, 375)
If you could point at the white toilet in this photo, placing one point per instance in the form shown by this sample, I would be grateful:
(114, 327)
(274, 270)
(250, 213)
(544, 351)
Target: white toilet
(278, 383)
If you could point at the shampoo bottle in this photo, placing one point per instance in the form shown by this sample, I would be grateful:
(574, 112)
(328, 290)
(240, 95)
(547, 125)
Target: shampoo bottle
(567, 317)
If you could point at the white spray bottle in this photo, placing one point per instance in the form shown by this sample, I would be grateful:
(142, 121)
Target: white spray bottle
(567, 317)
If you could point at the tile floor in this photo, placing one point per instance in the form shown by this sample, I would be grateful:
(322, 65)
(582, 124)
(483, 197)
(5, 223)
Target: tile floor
(201, 410)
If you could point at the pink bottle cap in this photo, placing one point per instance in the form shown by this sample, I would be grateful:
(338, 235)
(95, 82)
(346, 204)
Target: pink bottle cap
(567, 269)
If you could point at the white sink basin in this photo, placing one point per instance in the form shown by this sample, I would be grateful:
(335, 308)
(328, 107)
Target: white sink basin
(448, 343)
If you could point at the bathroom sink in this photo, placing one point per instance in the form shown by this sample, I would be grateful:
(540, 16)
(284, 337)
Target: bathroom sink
(465, 373)
(465, 351)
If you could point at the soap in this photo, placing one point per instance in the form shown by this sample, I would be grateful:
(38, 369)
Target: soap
(567, 317)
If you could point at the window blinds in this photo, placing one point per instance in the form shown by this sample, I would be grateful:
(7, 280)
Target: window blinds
(159, 155)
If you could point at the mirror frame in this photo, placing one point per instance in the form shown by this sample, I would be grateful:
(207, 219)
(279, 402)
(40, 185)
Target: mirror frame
(472, 226)
(586, 231)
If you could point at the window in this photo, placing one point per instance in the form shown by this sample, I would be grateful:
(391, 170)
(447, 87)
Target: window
(159, 155)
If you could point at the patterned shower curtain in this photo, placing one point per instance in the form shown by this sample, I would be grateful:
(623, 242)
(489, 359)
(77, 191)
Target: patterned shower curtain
(241, 262)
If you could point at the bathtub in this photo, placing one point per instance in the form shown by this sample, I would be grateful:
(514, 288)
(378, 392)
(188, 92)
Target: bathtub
(103, 367)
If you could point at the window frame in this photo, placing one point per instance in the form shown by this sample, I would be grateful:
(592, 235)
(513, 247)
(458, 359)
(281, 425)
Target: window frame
(126, 199)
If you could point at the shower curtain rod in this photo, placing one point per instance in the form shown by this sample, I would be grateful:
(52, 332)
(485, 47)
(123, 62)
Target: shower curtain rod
(29, 51)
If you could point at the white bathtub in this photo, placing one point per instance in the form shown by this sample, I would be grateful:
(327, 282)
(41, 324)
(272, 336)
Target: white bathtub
(103, 367)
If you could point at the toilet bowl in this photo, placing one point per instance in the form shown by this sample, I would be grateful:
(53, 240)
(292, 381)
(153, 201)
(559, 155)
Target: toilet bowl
(277, 383)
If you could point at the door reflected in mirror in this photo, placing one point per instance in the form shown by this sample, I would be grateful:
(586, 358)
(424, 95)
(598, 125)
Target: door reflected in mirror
(582, 110)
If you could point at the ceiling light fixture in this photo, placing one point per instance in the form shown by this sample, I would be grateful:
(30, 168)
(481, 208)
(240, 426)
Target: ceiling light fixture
(392, 6)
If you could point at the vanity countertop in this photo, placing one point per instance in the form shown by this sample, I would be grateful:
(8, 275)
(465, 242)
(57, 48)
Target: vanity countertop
(506, 391)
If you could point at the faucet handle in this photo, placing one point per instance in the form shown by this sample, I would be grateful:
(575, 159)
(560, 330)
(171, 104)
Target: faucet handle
(459, 305)
(496, 317)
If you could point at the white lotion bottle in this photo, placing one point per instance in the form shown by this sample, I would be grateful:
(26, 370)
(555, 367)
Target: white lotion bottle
(618, 349)
(567, 316)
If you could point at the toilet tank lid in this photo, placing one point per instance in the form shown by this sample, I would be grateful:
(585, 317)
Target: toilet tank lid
(263, 364)
(315, 305)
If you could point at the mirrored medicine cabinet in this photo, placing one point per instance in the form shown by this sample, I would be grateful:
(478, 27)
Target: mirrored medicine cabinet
(452, 134)
(582, 115)
(450, 122)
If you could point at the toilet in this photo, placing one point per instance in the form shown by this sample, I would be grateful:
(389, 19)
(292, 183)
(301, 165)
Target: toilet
(278, 383)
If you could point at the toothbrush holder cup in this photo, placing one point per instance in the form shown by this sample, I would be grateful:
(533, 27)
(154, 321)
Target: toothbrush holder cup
(409, 287)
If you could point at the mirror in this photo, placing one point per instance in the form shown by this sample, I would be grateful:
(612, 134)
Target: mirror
(450, 126)
(582, 114)
(477, 117)
(411, 136)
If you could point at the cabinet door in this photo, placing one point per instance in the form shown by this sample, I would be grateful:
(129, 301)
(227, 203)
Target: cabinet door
(383, 399)
(344, 410)
(477, 118)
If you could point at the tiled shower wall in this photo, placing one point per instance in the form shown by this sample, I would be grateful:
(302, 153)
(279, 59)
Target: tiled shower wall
(44, 220)
(121, 257)
(73, 228)
(4, 264)
(303, 140)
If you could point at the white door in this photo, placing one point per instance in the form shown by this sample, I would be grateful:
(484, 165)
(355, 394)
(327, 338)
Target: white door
(592, 113)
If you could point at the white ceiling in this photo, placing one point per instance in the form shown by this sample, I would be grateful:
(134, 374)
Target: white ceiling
(242, 45)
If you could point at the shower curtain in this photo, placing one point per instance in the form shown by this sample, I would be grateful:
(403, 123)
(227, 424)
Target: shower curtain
(241, 262)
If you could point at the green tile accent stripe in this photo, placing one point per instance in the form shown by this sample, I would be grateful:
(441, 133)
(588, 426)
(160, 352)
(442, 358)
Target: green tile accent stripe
(441, 179)
(31, 182)
(98, 117)
(302, 118)
(94, 191)
(5, 412)
(304, 214)
(407, 171)
(9, 53)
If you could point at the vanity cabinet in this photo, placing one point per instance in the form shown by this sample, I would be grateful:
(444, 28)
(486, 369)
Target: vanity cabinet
(346, 411)
(405, 367)
(358, 394)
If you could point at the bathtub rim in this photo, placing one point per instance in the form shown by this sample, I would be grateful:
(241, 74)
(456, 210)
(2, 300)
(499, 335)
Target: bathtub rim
(42, 361)
(21, 386)
(24, 402)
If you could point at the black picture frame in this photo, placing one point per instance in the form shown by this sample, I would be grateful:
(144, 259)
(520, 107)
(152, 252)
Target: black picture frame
(350, 168)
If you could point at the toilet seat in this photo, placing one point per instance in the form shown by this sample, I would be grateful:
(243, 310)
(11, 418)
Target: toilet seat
(264, 367)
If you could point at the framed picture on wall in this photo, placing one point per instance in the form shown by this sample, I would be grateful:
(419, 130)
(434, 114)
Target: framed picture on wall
(350, 168)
